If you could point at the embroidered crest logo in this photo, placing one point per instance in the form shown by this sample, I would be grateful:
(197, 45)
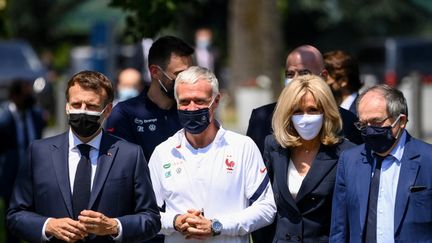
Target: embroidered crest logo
(229, 164)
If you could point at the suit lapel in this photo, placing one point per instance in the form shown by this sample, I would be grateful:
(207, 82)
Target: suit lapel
(321, 166)
(60, 162)
(107, 153)
(281, 172)
(408, 174)
(364, 174)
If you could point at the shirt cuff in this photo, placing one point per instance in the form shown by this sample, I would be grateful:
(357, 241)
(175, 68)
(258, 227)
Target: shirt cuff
(44, 237)
(167, 223)
(119, 236)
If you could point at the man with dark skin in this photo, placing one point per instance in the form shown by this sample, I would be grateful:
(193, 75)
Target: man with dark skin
(302, 60)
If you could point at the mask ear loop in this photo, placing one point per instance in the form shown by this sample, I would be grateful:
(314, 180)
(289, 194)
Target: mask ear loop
(394, 124)
(163, 86)
(211, 103)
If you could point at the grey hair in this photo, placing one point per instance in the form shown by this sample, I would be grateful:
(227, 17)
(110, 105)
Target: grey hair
(396, 102)
(194, 73)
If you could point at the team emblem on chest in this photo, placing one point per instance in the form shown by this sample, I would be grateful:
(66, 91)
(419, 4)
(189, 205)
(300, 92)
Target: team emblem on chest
(229, 164)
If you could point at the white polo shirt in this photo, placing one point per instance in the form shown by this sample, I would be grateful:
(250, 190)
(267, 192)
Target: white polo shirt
(227, 179)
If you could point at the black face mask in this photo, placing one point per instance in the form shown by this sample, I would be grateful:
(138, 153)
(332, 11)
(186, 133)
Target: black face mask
(379, 139)
(194, 122)
(168, 92)
(85, 123)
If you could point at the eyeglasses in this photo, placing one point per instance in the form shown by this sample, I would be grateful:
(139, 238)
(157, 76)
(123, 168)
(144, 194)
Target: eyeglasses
(293, 73)
(361, 125)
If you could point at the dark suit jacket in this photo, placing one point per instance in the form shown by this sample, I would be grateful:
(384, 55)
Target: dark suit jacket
(9, 151)
(353, 107)
(413, 209)
(121, 189)
(261, 119)
(306, 218)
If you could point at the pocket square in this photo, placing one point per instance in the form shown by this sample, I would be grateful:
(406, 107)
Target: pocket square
(417, 188)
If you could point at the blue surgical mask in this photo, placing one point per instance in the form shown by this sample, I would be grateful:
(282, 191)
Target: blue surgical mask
(127, 93)
(287, 81)
(379, 139)
(195, 121)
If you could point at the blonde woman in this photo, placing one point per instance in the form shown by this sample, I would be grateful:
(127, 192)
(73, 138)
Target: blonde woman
(301, 158)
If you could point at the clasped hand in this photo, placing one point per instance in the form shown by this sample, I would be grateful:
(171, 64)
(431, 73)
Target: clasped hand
(89, 222)
(193, 225)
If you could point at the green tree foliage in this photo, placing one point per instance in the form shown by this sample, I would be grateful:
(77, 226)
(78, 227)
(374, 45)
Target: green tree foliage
(35, 20)
(342, 22)
(147, 18)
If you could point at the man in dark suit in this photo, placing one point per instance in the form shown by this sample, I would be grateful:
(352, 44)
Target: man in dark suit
(20, 123)
(84, 184)
(303, 60)
(383, 188)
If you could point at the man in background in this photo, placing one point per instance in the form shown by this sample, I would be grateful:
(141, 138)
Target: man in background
(151, 117)
(343, 78)
(21, 122)
(302, 60)
(129, 84)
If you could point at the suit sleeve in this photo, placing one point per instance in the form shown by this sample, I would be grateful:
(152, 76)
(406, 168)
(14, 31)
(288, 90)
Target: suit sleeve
(119, 124)
(21, 219)
(339, 223)
(255, 130)
(262, 209)
(267, 157)
(145, 223)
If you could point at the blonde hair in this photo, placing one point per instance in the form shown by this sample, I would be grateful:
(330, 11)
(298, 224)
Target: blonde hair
(289, 101)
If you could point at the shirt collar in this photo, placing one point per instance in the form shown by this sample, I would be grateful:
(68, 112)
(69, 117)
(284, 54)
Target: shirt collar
(219, 138)
(346, 103)
(74, 140)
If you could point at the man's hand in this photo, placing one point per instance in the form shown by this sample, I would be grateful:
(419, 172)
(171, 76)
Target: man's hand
(199, 227)
(180, 223)
(65, 229)
(97, 223)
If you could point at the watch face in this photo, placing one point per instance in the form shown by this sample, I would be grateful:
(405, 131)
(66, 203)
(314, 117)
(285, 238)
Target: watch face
(217, 226)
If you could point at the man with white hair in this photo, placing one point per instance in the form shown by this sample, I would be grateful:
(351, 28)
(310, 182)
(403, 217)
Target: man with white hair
(213, 182)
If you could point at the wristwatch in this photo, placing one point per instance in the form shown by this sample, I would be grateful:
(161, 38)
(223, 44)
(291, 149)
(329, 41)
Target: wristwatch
(216, 227)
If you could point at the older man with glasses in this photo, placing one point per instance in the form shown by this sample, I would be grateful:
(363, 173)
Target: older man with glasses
(383, 188)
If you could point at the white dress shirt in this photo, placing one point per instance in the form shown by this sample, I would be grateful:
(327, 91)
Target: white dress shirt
(75, 156)
(347, 102)
(389, 178)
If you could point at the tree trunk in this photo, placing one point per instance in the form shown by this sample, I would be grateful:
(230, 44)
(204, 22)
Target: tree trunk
(255, 42)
